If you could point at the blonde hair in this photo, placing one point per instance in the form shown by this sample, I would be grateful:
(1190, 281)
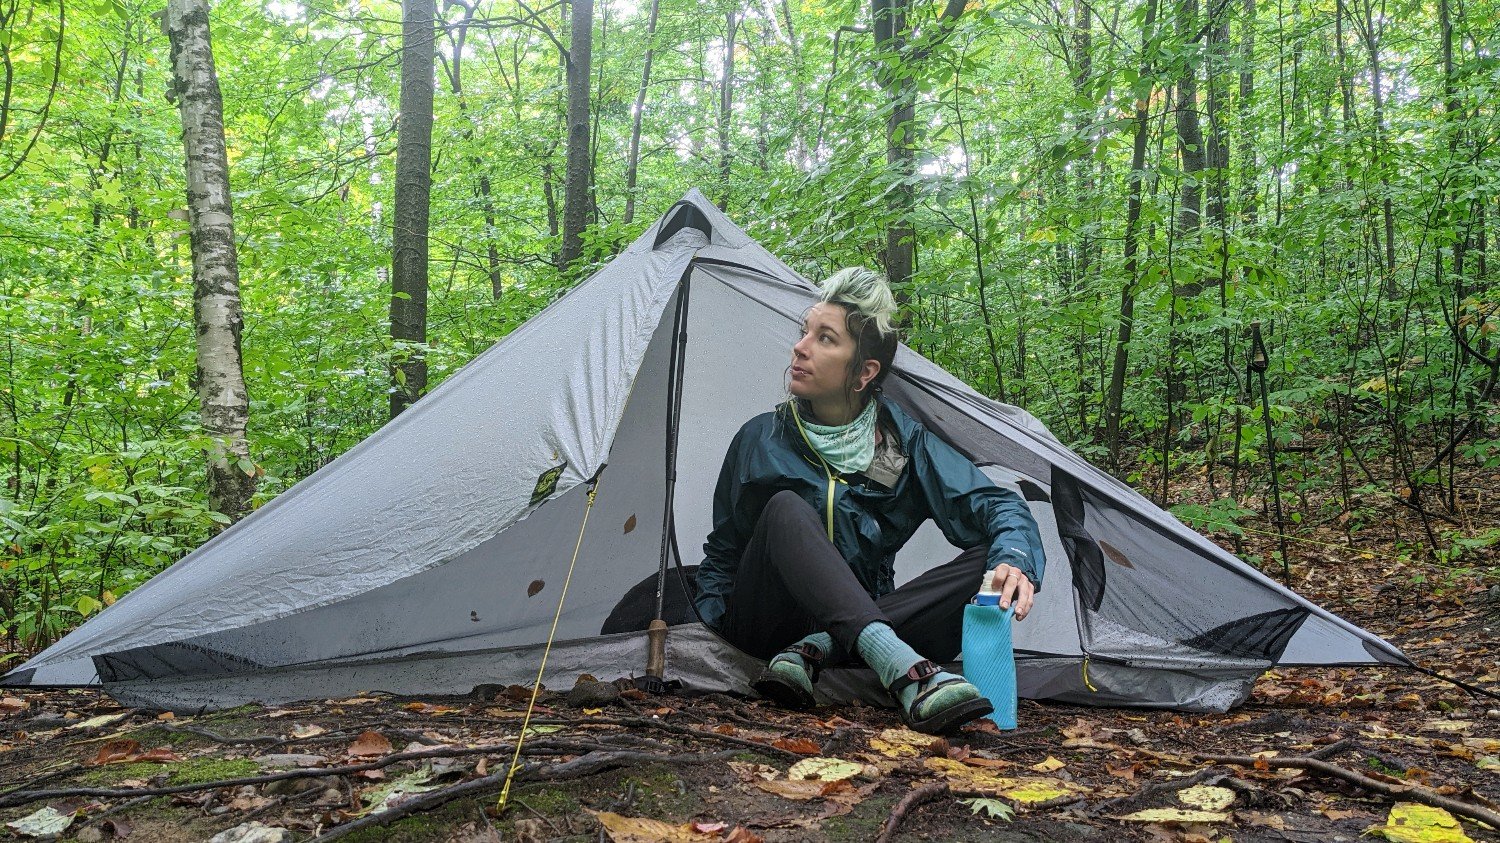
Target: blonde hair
(865, 293)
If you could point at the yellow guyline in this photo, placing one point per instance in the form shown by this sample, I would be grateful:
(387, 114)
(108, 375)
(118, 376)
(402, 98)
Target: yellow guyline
(537, 686)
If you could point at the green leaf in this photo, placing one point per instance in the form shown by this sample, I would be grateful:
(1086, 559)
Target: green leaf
(994, 808)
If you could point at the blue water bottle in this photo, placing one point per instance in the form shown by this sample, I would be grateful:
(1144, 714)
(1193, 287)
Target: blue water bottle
(989, 660)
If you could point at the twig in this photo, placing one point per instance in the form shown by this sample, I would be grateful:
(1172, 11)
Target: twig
(598, 762)
(1412, 792)
(1150, 790)
(686, 731)
(918, 796)
(1332, 749)
(214, 736)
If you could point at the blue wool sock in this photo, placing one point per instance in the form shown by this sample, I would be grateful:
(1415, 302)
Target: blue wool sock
(890, 658)
(822, 640)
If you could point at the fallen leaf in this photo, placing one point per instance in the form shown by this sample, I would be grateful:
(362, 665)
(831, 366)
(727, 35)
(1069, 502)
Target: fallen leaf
(710, 828)
(1048, 766)
(166, 715)
(824, 769)
(393, 793)
(801, 746)
(1206, 797)
(368, 744)
(428, 708)
(623, 829)
(995, 808)
(1024, 790)
(116, 751)
(1488, 762)
(101, 720)
(799, 791)
(1262, 819)
(354, 701)
(901, 743)
(740, 834)
(749, 771)
(1410, 822)
(307, 731)
(160, 755)
(1174, 815)
(1447, 726)
(981, 761)
(12, 705)
(48, 822)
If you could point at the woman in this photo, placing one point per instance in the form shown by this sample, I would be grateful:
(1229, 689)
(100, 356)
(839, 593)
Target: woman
(815, 498)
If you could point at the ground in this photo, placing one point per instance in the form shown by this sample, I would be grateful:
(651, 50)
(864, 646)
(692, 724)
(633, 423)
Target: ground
(634, 767)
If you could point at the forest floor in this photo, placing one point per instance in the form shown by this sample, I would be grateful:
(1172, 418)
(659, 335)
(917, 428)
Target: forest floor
(1326, 754)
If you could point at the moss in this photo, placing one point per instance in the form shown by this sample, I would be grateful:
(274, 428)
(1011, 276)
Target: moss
(195, 771)
(660, 791)
(548, 801)
(863, 823)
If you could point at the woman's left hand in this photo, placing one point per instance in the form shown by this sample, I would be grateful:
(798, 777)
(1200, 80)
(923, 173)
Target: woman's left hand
(1013, 587)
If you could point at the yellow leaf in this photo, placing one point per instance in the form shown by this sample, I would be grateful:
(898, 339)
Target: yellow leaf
(1024, 790)
(1175, 815)
(1048, 766)
(799, 791)
(901, 743)
(824, 769)
(1410, 822)
(593, 712)
(1207, 797)
(643, 830)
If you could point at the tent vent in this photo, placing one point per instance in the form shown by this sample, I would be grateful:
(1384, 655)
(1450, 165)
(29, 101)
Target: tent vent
(1262, 636)
(683, 215)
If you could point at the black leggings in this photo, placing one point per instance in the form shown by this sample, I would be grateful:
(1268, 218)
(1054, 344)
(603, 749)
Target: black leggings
(792, 581)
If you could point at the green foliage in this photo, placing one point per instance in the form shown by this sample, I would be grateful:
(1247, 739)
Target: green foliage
(1378, 335)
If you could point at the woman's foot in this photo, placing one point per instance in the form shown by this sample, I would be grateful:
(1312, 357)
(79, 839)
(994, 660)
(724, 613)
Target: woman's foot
(931, 699)
(788, 679)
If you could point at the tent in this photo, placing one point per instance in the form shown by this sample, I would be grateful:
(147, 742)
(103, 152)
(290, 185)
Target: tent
(429, 559)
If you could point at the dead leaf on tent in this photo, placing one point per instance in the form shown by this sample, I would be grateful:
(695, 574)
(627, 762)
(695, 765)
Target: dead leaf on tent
(1048, 766)
(1206, 797)
(1025, 790)
(1175, 815)
(824, 769)
(535, 588)
(901, 743)
(1410, 822)
(368, 744)
(623, 829)
(117, 751)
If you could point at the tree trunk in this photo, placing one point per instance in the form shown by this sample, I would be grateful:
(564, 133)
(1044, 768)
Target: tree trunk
(576, 175)
(223, 399)
(413, 189)
(476, 162)
(1114, 398)
(895, 80)
(726, 105)
(632, 164)
(1189, 131)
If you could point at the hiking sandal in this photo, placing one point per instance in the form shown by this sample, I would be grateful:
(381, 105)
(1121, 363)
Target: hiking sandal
(784, 690)
(946, 717)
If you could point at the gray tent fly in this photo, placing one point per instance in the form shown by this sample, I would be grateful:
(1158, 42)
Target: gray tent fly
(431, 557)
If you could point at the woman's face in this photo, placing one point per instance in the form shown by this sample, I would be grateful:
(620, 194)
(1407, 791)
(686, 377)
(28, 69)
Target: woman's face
(820, 360)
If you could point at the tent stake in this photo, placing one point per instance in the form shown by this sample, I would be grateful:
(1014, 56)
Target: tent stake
(1259, 362)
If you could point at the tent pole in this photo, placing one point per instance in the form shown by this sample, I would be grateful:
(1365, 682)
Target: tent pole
(1259, 362)
(656, 632)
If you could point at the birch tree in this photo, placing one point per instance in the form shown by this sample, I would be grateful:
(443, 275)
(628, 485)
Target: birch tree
(222, 397)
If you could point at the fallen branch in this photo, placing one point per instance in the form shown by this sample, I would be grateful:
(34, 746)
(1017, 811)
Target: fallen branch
(917, 797)
(1114, 805)
(1332, 749)
(1410, 792)
(593, 762)
(22, 797)
(686, 731)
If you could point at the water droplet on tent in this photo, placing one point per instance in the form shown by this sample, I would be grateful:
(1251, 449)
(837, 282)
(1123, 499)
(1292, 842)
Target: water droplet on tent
(535, 587)
(1114, 554)
(630, 523)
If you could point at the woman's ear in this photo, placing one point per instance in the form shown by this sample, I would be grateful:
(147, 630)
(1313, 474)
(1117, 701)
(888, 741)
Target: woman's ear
(867, 373)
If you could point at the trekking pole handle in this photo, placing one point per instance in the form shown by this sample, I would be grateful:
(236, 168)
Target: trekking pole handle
(656, 653)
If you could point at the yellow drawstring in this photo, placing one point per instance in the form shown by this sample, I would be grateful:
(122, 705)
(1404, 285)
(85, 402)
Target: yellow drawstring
(827, 469)
(1086, 682)
(537, 686)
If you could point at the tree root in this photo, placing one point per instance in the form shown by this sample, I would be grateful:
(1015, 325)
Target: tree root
(917, 797)
(1407, 792)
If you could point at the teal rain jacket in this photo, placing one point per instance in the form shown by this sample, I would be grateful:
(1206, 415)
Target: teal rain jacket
(869, 522)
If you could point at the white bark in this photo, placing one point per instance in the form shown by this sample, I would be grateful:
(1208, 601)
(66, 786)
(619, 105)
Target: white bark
(217, 318)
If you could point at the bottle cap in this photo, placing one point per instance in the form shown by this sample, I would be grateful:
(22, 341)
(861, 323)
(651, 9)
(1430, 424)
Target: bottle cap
(988, 594)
